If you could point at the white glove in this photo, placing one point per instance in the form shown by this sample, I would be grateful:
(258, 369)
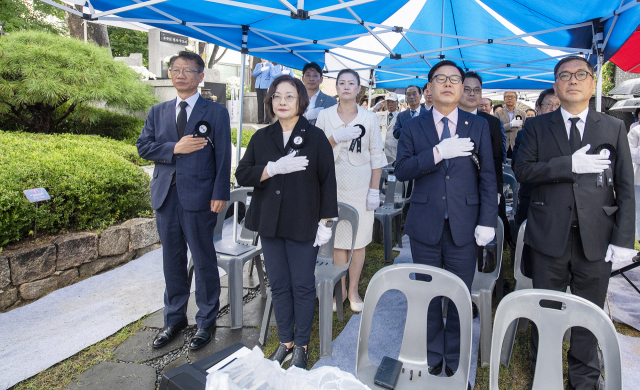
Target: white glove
(285, 71)
(264, 69)
(516, 122)
(377, 106)
(454, 147)
(287, 164)
(373, 199)
(498, 199)
(484, 235)
(313, 113)
(618, 254)
(346, 134)
(581, 162)
(323, 235)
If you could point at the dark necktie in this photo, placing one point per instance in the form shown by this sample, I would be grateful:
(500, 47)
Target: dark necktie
(445, 134)
(575, 139)
(413, 113)
(389, 118)
(181, 123)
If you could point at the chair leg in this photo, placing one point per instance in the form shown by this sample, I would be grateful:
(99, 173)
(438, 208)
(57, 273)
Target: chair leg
(376, 231)
(508, 341)
(445, 307)
(399, 231)
(339, 305)
(523, 324)
(500, 285)
(261, 278)
(386, 237)
(485, 327)
(266, 317)
(235, 294)
(253, 263)
(325, 296)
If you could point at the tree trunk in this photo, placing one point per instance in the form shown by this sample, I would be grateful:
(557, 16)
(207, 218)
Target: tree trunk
(213, 60)
(96, 33)
(255, 62)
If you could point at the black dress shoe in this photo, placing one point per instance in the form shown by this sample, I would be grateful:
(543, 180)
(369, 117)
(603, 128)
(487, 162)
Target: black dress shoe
(167, 334)
(436, 370)
(300, 357)
(282, 354)
(202, 337)
(448, 371)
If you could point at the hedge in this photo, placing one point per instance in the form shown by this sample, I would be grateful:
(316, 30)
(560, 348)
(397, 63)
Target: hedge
(246, 137)
(93, 182)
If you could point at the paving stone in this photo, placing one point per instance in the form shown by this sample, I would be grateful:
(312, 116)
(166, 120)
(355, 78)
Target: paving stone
(143, 251)
(113, 241)
(252, 313)
(75, 249)
(156, 320)
(5, 271)
(67, 278)
(8, 297)
(224, 338)
(142, 232)
(104, 263)
(137, 348)
(34, 290)
(175, 364)
(247, 281)
(109, 375)
(32, 263)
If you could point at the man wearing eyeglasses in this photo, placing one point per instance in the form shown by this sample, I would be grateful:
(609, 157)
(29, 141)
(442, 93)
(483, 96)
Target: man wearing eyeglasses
(453, 205)
(512, 118)
(581, 215)
(190, 186)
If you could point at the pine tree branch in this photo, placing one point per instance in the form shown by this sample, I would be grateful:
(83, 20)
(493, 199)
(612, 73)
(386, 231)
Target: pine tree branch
(69, 111)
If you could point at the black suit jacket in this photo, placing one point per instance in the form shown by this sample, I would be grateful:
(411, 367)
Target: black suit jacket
(606, 214)
(290, 205)
(496, 145)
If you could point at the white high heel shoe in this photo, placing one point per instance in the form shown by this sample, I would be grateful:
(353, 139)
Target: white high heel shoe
(356, 307)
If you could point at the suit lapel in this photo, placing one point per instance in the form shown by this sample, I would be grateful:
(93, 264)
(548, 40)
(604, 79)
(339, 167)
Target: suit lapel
(591, 130)
(197, 113)
(170, 119)
(559, 132)
(429, 128)
(319, 99)
(276, 136)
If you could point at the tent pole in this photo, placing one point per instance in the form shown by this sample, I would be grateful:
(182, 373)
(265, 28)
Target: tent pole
(599, 85)
(243, 57)
(370, 84)
(85, 30)
(442, 28)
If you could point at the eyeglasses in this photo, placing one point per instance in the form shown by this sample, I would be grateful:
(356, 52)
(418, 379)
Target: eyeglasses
(580, 75)
(288, 98)
(555, 106)
(186, 72)
(475, 90)
(510, 97)
(441, 79)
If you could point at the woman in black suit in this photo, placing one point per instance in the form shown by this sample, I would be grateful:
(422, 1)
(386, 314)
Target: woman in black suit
(290, 165)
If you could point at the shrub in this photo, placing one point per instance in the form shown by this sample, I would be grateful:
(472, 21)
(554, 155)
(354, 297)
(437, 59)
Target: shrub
(93, 182)
(246, 137)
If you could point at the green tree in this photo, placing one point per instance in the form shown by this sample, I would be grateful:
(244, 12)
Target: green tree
(125, 41)
(31, 15)
(44, 77)
(608, 77)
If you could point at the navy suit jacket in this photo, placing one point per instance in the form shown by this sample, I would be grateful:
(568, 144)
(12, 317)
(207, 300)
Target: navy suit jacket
(203, 175)
(468, 194)
(403, 118)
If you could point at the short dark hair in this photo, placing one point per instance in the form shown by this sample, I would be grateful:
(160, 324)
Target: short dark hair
(189, 56)
(636, 112)
(424, 88)
(544, 94)
(303, 98)
(413, 86)
(572, 58)
(473, 75)
(497, 106)
(440, 64)
(312, 65)
(379, 98)
(350, 71)
(363, 99)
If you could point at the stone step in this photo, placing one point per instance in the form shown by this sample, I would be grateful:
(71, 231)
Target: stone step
(137, 348)
(109, 375)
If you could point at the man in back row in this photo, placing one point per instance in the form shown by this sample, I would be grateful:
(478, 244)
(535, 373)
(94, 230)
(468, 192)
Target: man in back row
(318, 101)
(512, 118)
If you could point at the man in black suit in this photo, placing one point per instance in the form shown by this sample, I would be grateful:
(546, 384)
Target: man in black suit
(581, 215)
(413, 94)
(471, 98)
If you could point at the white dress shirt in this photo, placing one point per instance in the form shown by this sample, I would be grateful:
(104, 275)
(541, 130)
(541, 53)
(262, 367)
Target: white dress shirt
(580, 125)
(437, 119)
(417, 110)
(191, 101)
(312, 101)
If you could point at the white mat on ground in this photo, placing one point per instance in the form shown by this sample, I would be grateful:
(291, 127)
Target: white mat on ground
(387, 329)
(37, 336)
(624, 300)
(630, 352)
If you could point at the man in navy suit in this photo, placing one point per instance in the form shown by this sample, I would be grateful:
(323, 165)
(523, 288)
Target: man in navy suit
(190, 186)
(413, 93)
(318, 101)
(453, 206)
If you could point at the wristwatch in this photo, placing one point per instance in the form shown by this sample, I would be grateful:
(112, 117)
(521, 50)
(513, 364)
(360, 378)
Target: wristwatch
(328, 222)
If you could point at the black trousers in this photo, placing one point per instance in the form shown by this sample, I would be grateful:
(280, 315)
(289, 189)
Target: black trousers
(521, 215)
(261, 94)
(178, 227)
(291, 268)
(588, 280)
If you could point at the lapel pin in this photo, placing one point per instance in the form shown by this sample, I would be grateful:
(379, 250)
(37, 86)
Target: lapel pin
(466, 123)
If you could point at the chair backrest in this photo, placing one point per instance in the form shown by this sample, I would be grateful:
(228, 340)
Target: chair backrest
(346, 213)
(413, 352)
(511, 180)
(506, 168)
(517, 271)
(238, 195)
(553, 323)
(499, 245)
(390, 195)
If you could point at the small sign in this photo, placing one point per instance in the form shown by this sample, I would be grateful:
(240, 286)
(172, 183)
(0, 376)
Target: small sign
(36, 194)
(173, 38)
(391, 178)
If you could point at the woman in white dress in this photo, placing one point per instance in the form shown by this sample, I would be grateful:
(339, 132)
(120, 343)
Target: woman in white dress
(358, 168)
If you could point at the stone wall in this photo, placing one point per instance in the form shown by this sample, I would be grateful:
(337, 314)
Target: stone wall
(31, 272)
(621, 76)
